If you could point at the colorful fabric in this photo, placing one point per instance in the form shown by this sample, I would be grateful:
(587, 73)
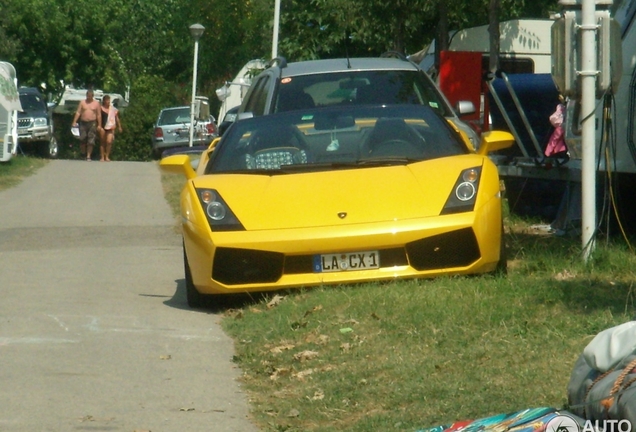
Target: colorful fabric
(111, 121)
(528, 420)
(556, 143)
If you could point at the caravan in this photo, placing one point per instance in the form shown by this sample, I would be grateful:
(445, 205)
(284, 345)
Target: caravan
(9, 107)
(231, 94)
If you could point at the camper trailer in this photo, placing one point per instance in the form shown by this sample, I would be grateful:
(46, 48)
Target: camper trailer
(9, 107)
(522, 97)
(232, 93)
(71, 97)
(525, 46)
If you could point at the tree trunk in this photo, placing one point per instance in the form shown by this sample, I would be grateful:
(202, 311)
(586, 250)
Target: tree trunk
(441, 38)
(493, 29)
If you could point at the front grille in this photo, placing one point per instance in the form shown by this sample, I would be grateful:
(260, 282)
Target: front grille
(245, 266)
(453, 249)
(25, 122)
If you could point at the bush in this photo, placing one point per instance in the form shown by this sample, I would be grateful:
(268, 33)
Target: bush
(149, 94)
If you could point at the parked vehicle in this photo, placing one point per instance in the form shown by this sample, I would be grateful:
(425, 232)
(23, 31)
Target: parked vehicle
(172, 129)
(339, 194)
(228, 119)
(70, 99)
(349, 81)
(9, 107)
(231, 94)
(35, 123)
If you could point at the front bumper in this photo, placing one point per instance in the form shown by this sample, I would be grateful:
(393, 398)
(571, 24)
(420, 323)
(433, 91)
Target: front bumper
(33, 134)
(243, 261)
(196, 141)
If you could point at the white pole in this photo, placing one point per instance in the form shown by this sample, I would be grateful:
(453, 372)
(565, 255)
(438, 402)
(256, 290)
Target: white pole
(588, 74)
(194, 90)
(276, 25)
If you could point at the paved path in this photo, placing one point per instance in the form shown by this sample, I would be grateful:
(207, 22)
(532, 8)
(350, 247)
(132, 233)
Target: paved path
(95, 333)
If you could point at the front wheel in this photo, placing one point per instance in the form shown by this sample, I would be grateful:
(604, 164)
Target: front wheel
(502, 264)
(195, 298)
(50, 149)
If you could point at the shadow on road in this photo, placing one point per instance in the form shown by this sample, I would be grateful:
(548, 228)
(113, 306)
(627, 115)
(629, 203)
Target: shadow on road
(215, 303)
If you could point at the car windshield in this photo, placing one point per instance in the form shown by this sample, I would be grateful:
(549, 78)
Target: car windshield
(335, 138)
(31, 102)
(174, 116)
(358, 87)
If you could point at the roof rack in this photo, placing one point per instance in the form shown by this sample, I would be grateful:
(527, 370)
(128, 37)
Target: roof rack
(394, 54)
(280, 61)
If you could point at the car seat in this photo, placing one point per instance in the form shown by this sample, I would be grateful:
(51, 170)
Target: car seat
(393, 137)
(271, 148)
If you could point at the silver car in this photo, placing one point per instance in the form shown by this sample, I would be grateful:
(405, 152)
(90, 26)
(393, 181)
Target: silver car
(35, 123)
(172, 129)
(286, 86)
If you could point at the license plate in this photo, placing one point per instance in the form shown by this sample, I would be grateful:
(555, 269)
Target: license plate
(346, 261)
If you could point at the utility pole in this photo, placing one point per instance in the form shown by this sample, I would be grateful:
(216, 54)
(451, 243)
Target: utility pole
(276, 25)
(583, 33)
(588, 72)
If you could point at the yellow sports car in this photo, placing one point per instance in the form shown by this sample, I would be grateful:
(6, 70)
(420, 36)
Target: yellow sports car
(339, 195)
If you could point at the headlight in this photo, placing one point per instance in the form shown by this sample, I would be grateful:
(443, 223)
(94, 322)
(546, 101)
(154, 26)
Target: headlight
(464, 194)
(219, 215)
(465, 191)
(40, 121)
(216, 211)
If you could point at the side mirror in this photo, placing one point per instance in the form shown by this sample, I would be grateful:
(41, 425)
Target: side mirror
(178, 164)
(244, 115)
(465, 107)
(495, 140)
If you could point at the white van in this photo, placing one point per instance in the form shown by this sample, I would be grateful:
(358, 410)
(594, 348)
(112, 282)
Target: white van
(8, 111)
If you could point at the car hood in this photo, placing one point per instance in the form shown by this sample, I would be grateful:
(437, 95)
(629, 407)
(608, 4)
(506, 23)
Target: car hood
(352, 196)
(32, 113)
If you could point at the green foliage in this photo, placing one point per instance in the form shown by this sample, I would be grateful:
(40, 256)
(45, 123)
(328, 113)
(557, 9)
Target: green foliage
(17, 168)
(330, 28)
(130, 44)
(149, 95)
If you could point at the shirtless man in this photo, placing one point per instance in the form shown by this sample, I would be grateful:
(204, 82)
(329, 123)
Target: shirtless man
(90, 119)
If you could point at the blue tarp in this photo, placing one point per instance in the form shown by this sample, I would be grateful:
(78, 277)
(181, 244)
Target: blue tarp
(538, 96)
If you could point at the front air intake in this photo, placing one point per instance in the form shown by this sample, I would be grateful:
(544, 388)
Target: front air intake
(452, 249)
(246, 266)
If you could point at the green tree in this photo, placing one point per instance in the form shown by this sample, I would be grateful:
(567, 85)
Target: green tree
(145, 46)
(327, 28)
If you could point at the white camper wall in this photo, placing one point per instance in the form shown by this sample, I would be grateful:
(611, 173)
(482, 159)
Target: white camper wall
(625, 161)
(521, 38)
(8, 120)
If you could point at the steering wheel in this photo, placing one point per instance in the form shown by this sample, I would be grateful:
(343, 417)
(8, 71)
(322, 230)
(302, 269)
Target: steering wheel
(390, 144)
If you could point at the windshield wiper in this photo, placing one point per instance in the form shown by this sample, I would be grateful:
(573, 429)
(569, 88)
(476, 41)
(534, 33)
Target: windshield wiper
(324, 166)
(387, 160)
(317, 166)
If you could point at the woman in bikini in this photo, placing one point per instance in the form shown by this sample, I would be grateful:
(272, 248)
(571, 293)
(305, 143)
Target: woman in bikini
(110, 122)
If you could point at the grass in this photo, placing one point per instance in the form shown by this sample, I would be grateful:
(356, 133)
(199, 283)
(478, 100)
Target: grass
(407, 355)
(16, 169)
(172, 185)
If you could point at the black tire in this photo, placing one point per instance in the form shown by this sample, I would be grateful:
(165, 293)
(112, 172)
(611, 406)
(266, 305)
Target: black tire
(195, 298)
(502, 264)
(49, 149)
